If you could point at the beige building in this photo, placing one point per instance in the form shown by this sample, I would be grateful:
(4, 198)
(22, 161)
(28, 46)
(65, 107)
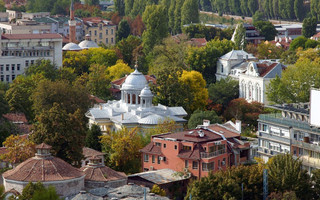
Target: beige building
(101, 31)
(24, 27)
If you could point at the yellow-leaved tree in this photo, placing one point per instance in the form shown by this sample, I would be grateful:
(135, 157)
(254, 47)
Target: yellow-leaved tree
(118, 70)
(196, 85)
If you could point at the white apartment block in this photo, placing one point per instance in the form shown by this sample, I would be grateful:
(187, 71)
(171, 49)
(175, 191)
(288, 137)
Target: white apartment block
(18, 51)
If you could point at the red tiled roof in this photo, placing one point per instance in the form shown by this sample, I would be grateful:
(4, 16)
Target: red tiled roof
(102, 174)
(264, 68)
(16, 117)
(224, 131)
(316, 35)
(191, 154)
(50, 169)
(199, 42)
(43, 146)
(88, 152)
(31, 36)
(152, 149)
(96, 99)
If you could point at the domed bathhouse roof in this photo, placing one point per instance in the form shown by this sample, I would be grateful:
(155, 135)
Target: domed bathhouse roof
(71, 47)
(135, 81)
(46, 169)
(88, 43)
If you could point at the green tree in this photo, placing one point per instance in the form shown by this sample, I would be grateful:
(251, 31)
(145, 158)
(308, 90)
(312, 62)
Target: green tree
(299, 9)
(127, 46)
(298, 42)
(311, 44)
(171, 16)
(177, 16)
(293, 87)
(128, 5)
(198, 116)
(253, 6)
(309, 27)
(189, 12)
(44, 67)
(92, 137)
(4, 107)
(258, 16)
(268, 51)
(98, 84)
(223, 91)
(91, 2)
(37, 191)
(157, 190)
(286, 174)
(122, 149)
(2, 6)
(239, 37)
(266, 29)
(6, 129)
(30, 189)
(155, 20)
(120, 7)
(316, 183)
(117, 71)
(123, 30)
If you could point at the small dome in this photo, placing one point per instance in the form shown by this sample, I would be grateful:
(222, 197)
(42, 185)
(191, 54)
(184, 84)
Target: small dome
(135, 81)
(87, 44)
(146, 92)
(151, 119)
(71, 47)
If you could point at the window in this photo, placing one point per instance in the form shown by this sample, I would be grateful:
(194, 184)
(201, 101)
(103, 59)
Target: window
(100, 26)
(90, 33)
(100, 35)
(158, 159)
(175, 147)
(158, 144)
(2, 78)
(13, 67)
(95, 33)
(223, 163)
(186, 148)
(1, 68)
(7, 67)
(111, 40)
(111, 31)
(194, 165)
(207, 166)
(221, 68)
(164, 159)
(107, 32)
(18, 67)
(13, 77)
(32, 61)
(146, 158)
(186, 164)
(164, 145)
(107, 40)
(153, 159)
(7, 78)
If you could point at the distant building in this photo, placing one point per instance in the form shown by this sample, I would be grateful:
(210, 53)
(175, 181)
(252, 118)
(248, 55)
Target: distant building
(24, 26)
(231, 61)
(100, 30)
(46, 169)
(252, 35)
(135, 108)
(283, 42)
(255, 78)
(19, 51)
(208, 148)
(4, 16)
(290, 31)
(20, 120)
(316, 37)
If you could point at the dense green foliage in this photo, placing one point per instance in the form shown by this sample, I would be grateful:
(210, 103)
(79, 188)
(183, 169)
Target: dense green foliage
(37, 191)
(123, 30)
(309, 27)
(202, 31)
(266, 29)
(198, 116)
(92, 138)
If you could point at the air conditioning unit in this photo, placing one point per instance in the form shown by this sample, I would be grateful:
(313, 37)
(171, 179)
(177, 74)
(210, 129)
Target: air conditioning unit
(223, 162)
(160, 158)
(151, 168)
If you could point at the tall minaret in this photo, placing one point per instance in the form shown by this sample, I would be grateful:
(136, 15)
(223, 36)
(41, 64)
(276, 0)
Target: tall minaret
(72, 25)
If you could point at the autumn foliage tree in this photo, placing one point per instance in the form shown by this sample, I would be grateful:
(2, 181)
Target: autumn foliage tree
(122, 149)
(119, 70)
(19, 149)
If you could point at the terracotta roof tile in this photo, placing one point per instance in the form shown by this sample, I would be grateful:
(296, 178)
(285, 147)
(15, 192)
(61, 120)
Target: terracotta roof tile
(191, 154)
(228, 133)
(102, 174)
(264, 68)
(152, 149)
(16, 117)
(88, 152)
(43, 146)
(50, 169)
(31, 36)
(96, 99)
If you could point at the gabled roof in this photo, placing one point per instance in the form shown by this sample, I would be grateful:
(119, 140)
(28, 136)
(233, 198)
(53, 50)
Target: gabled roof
(152, 149)
(264, 68)
(88, 152)
(16, 117)
(235, 54)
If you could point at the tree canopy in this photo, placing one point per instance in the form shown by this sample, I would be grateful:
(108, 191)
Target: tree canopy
(198, 116)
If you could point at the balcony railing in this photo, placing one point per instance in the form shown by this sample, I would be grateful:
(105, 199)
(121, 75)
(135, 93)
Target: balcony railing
(274, 137)
(278, 119)
(306, 145)
(212, 154)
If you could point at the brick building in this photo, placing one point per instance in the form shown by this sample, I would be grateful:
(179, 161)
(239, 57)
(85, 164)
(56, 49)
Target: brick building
(197, 151)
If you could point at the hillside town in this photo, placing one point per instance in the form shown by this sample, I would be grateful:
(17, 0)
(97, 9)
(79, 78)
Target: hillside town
(159, 100)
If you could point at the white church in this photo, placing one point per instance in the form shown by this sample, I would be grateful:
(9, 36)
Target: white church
(134, 109)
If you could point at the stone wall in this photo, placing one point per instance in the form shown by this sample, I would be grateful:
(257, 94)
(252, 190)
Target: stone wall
(112, 184)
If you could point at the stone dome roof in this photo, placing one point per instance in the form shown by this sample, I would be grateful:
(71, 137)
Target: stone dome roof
(135, 81)
(71, 47)
(87, 44)
(102, 174)
(151, 119)
(50, 169)
(146, 92)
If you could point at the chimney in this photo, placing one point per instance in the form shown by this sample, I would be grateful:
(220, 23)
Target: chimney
(206, 123)
(238, 125)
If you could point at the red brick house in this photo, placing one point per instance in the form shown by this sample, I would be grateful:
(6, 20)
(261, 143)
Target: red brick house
(197, 151)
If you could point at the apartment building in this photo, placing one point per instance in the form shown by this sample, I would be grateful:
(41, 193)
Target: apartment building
(18, 51)
(101, 31)
(289, 131)
(208, 148)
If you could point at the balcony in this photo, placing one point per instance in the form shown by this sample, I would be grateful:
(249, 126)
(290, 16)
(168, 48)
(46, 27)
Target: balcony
(212, 154)
(274, 137)
(308, 161)
(278, 119)
(305, 145)
(269, 152)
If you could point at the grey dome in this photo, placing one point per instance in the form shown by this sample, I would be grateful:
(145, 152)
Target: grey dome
(71, 47)
(86, 44)
(135, 81)
(146, 92)
(151, 119)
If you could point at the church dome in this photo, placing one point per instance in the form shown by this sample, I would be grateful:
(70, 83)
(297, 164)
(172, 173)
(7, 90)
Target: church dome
(87, 44)
(135, 81)
(146, 92)
(71, 47)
